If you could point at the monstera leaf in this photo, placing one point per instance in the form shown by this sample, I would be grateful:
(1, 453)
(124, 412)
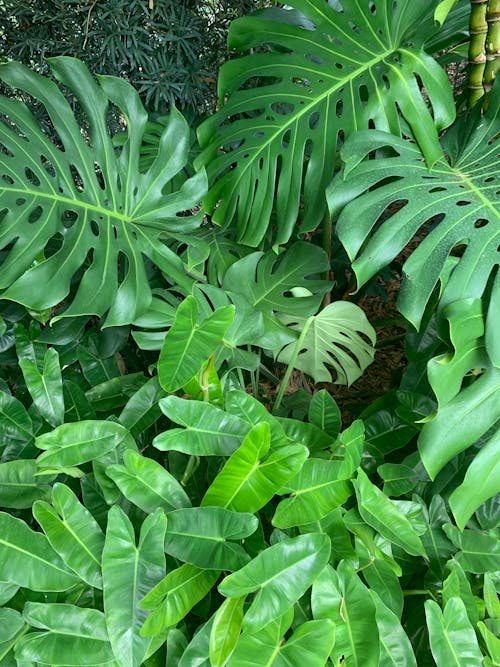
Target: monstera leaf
(73, 203)
(459, 196)
(323, 70)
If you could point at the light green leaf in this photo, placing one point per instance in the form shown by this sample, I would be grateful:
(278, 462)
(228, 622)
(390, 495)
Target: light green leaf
(331, 339)
(16, 428)
(75, 636)
(281, 575)
(451, 636)
(207, 537)
(399, 479)
(175, 596)
(189, 343)
(482, 481)
(341, 597)
(225, 630)
(382, 580)
(76, 443)
(380, 513)
(19, 486)
(142, 410)
(89, 195)
(250, 479)
(315, 490)
(492, 643)
(147, 484)
(456, 585)
(395, 647)
(478, 553)
(11, 623)
(324, 413)
(46, 387)
(253, 412)
(28, 560)
(443, 9)
(491, 599)
(73, 533)
(129, 572)
(209, 431)
(197, 651)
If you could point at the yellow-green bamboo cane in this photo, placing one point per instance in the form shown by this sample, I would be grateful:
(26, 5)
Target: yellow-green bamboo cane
(478, 29)
(492, 46)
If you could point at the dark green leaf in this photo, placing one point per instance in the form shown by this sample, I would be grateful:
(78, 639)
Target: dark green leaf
(19, 485)
(46, 387)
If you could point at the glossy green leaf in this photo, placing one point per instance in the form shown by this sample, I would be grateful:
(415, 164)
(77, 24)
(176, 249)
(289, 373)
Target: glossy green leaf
(267, 282)
(437, 546)
(457, 585)
(129, 571)
(380, 513)
(16, 428)
(459, 191)
(147, 484)
(208, 537)
(332, 339)
(76, 443)
(350, 445)
(315, 79)
(19, 485)
(175, 596)
(46, 387)
(111, 458)
(73, 533)
(399, 479)
(478, 553)
(482, 481)
(197, 651)
(451, 636)
(382, 580)
(395, 647)
(253, 412)
(142, 409)
(492, 643)
(115, 393)
(76, 405)
(491, 599)
(225, 630)
(7, 592)
(189, 343)
(341, 597)
(89, 195)
(11, 622)
(250, 479)
(28, 560)
(74, 636)
(304, 433)
(324, 413)
(208, 430)
(315, 490)
(280, 575)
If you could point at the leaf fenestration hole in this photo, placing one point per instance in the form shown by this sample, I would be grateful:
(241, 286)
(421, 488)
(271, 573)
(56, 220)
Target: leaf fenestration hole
(94, 228)
(437, 188)
(481, 222)
(463, 202)
(35, 214)
(32, 177)
(7, 179)
(68, 218)
(313, 120)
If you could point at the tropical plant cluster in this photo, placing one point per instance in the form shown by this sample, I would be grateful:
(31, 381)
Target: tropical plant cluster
(159, 504)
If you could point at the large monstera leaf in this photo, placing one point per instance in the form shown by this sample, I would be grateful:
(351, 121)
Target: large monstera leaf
(384, 202)
(327, 69)
(76, 203)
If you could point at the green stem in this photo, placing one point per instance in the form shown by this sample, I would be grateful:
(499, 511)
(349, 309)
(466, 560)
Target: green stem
(478, 29)
(192, 464)
(327, 246)
(291, 364)
(492, 47)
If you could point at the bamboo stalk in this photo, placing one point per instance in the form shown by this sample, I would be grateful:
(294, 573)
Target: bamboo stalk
(492, 46)
(478, 29)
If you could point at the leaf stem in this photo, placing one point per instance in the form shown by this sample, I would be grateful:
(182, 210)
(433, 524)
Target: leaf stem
(286, 377)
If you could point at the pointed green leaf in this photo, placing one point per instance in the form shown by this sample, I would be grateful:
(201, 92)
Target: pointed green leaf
(147, 484)
(73, 533)
(380, 513)
(142, 410)
(324, 413)
(456, 585)
(76, 443)
(16, 428)
(395, 647)
(250, 479)
(175, 596)
(11, 622)
(225, 630)
(478, 553)
(19, 485)
(208, 537)
(382, 580)
(451, 636)
(281, 575)
(28, 560)
(253, 412)
(46, 387)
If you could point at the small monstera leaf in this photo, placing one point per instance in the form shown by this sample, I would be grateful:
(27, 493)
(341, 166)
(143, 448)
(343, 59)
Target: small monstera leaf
(323, 70)
(331, 339)
(460, 196)
(73, 203)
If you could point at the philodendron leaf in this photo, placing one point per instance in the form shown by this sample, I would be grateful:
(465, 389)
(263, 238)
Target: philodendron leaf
(129, 571)
(208, 537)
(46, 387)
(315, 491)
(342, 597)
(395, 647)
(71, 636)
(225, 630)
(280, 575)
(73, 533)
(324, 413)
(251, 476)
(28, 560)
(340, 69)
(147, 484)
(208, 430)
(88, 196)
(479, 552)
(331, 339)
(19, 485)
(461, 192)
(175, 596)
(78, 442)
(16, 427)
(189, 343)
(383, 515)
(451, 636)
